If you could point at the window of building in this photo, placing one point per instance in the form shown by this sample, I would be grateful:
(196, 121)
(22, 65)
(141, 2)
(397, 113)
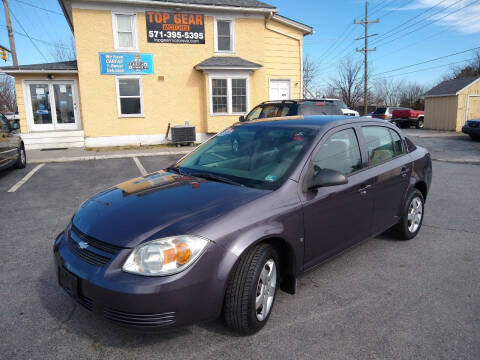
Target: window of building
(229, 95)
(380, 144)
(129, 96)
(224, 35)
(340, 152)
(124, 29)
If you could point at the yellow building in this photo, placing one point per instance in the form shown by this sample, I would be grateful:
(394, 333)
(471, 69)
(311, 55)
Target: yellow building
(144, 64)
(451, 103)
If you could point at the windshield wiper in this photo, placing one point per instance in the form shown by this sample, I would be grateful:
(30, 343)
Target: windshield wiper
(178, 170)
(215, 177)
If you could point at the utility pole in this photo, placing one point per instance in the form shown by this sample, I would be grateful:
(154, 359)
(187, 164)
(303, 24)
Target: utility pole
(365, 51)
(10, 33)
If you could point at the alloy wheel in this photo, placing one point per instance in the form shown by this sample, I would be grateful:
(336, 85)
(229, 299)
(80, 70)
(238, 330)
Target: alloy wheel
(266, 287)
(415, 213)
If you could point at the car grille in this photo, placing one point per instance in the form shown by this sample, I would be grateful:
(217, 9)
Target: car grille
(140, 320)
(90, 250)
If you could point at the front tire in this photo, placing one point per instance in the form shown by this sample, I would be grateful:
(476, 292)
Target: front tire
(412, 216)
(22, 159)
(251, 290)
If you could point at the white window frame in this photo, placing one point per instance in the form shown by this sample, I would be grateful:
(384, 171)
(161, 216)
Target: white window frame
(232, 34)
(119, 106)
(134, 31)
(229, 78)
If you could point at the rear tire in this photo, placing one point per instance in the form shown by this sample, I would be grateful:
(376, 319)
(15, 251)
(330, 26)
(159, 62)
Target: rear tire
(420, 124)
(22, 159)
(412, 216)
(251, 290)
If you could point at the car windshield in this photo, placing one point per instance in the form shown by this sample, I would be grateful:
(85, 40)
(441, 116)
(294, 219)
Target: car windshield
(341, 104)
(318, 108)
(254, 155)
(380, 110)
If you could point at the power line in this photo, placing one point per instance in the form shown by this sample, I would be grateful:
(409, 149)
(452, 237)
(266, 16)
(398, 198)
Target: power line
(29, 37)
(38, 40)
(426, 69)
(427, 61)
(40, 8)
(428, 24)
(411, 19)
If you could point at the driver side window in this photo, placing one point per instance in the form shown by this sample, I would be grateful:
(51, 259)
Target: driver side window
(4, 125)
(254, 114)
(340, 152)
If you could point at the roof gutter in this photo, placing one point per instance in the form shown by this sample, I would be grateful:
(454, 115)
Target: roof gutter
(189, 6)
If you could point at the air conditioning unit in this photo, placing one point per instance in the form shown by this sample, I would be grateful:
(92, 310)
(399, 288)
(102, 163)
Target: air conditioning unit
(183, 134)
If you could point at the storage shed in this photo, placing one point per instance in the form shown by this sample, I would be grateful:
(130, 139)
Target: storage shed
(451, 103)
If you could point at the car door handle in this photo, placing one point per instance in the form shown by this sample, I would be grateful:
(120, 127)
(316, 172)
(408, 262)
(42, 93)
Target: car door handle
(363, 189)
(404, 172)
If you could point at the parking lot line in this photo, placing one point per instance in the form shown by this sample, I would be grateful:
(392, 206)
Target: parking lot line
(140, 166)
(25, 178)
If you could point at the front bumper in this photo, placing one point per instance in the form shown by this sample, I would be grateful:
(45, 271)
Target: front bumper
(471, 130)
(191, 296)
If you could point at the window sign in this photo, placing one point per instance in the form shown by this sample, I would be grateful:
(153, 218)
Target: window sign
(126, 63)
(179, 28)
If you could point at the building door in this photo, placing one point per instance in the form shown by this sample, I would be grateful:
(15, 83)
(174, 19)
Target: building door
(52, 105)
(279, 90)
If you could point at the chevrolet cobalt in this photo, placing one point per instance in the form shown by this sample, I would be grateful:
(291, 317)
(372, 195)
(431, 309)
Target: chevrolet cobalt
(242, 216)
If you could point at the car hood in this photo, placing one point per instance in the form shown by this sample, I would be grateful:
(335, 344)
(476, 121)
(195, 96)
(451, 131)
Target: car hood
(157, 205)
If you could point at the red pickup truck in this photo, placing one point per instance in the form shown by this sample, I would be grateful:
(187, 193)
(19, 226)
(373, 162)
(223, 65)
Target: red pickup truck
(408, 117)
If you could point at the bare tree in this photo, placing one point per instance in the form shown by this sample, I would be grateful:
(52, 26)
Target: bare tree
(8, 99)
(387, 92)
(411, 95)
(349, 82)
(63, 50)
(470, 70)
(310, 72)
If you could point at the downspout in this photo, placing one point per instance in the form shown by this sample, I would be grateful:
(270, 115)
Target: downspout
(300, 47)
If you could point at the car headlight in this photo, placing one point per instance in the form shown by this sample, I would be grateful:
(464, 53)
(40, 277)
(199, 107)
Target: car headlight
(165, 256)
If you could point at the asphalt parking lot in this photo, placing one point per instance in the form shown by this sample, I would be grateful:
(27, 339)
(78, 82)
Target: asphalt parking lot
(383, 299)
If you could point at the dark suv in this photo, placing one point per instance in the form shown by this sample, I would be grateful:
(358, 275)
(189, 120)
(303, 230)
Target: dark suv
(12, 150)
(282, 108)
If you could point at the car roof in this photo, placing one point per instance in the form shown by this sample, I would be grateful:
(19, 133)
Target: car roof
(315, 121)
(295, 101)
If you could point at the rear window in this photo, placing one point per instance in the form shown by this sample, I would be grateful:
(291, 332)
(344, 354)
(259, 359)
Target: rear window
(318, 108)
(380, 111)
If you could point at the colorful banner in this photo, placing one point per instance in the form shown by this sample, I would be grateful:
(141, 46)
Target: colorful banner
(126, 63)
(178, 28)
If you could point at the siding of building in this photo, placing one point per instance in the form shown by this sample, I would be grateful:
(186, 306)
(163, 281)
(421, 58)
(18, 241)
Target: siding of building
(183, 94)
(450, 112)
(441, 113)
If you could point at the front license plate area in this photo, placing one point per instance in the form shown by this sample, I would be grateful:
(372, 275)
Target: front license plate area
(68, 281)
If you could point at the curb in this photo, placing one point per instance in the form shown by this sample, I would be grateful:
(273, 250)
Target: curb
(105, 157)
(459, 161)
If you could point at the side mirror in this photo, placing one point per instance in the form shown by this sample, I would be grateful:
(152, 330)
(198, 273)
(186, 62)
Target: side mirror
(15, 125)
(327, 177)
(241, 118)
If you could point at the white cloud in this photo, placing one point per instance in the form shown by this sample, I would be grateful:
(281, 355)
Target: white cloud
(461, 15)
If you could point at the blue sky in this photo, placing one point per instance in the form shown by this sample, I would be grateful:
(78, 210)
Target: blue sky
(451, 26)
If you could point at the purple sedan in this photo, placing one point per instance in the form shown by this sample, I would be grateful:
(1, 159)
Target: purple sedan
(242, 216)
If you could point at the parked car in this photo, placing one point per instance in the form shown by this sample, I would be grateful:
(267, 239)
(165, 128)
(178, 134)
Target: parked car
(385, 113)
(404, 118)
(280, 108)
(244, 214)
(342, 106)
(472, 128)
(12, 150)
(369, 115)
